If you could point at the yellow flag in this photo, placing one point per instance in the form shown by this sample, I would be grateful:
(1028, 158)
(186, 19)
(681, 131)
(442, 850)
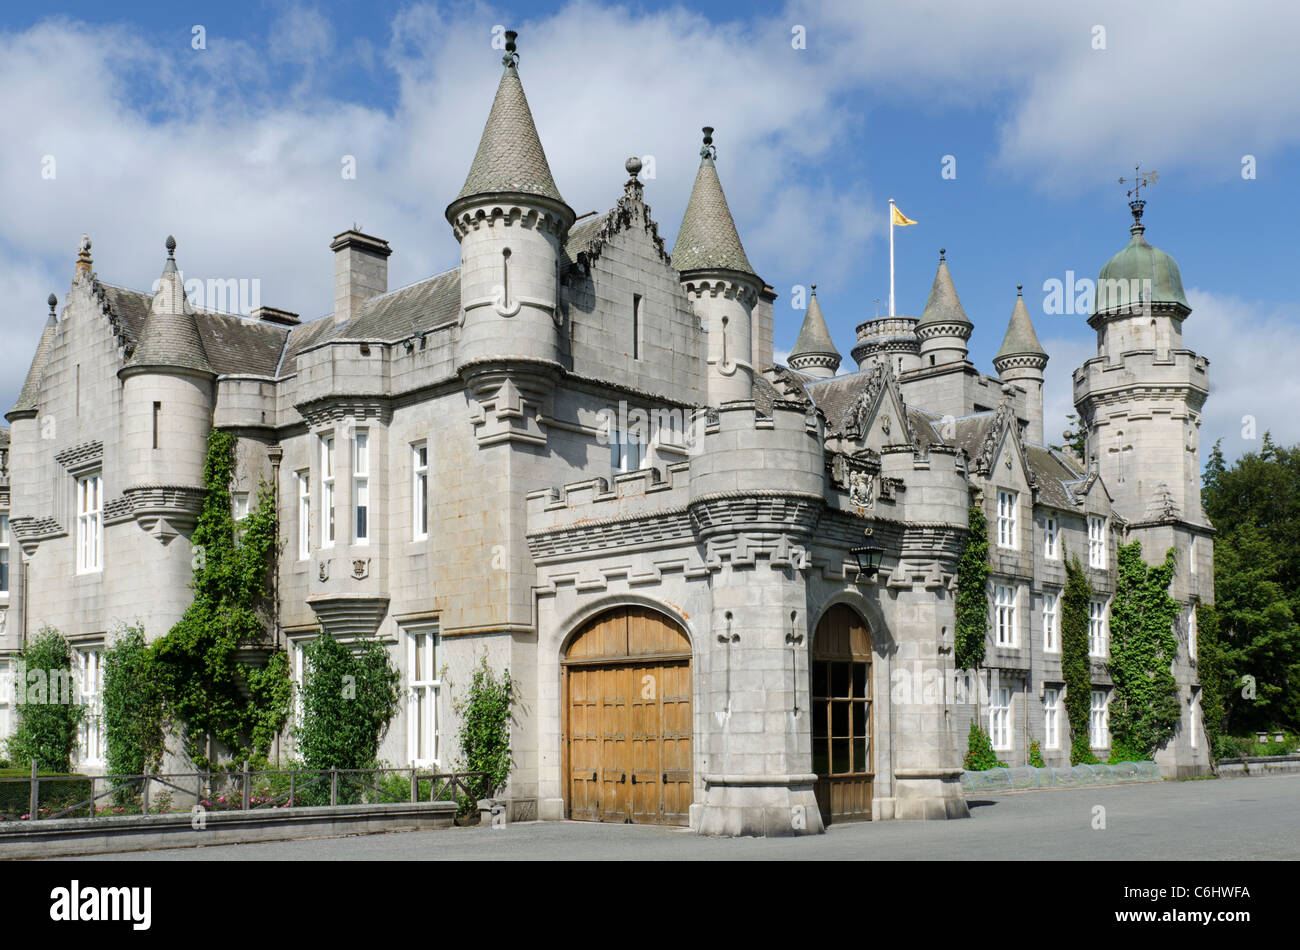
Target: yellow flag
(899, 218)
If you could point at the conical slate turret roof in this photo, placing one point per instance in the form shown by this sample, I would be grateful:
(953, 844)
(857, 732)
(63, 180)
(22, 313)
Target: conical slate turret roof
(28, 396)
(1021, 340)
(814, 337)
(707, 239)
(510, 157)
(943, 305)
(170, 337)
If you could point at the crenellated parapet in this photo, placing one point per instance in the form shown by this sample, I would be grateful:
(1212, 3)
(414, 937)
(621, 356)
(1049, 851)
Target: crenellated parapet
(888, 338)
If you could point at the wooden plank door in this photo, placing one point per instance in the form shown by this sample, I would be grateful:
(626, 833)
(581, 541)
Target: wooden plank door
(678, 788)
(647, 728)
(584, 743)
(615, 748)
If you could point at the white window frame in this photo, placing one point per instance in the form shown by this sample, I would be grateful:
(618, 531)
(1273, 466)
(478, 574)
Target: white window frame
(1051, 538)
(1098, 628)
(7, 686)
(4, 557)
(1097, 542)
(1004, 615)
(423, 691)
(1051, 717)
(1051, 621)
(1000, 719)
(1007, 500)
(298, 674)
(420, 491)
(304, 515)
(1192, 632)
(1099, 719)
(328, 494)
(239, 505)
(1193, 718)
(362, 508)
(627, 452)
(88, 662)
(90, 523)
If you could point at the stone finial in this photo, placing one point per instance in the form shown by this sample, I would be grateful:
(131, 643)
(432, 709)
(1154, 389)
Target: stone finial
(171, 246)
(511, 58)
(633, 166)
(53, 301)
(942, 252)
(84, 262)
(1020, 290)
(708, 150)
(633, 188)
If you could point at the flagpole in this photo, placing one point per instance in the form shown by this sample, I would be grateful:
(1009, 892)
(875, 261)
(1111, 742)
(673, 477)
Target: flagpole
(891, 257)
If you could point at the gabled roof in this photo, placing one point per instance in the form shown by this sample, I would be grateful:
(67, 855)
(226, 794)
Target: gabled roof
(708, 239)
(29, 395)
(401, 313)
(510, 158)
(943, 305)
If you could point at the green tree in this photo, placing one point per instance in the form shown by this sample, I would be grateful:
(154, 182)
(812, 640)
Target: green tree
(1254, 505)
(204, 683)
(348, 700)
(1212, 670)
(134, 736)
(1076, 667)
(1144, 710)
(48, 713)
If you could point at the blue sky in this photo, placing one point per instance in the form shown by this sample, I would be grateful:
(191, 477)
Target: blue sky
(236, 150)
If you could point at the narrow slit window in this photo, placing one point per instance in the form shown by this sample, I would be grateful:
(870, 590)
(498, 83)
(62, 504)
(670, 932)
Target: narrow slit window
(157, 412)
(636, 326)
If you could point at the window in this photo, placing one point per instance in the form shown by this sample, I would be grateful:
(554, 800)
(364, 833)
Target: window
(361, 486)
(420, 490)
(1096, 628)
(299, 677)
(157, 411)
(1004, 599)
(1194, 717)
(1096, 542)
(90, 527)
(1000, 719)
(1052, 718)
(6, 699)
(1191, 632)
(1006, 519)
(4, 555)
(90, 685)
(239, 501)
(304, 515)
(1098, 721)
(1051, 622)
(422, 710)
(327, 492)
(636, 326)
(1051, 538)
(627, 450)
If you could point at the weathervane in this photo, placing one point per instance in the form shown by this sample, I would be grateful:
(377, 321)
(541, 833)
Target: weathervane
(1139, 181)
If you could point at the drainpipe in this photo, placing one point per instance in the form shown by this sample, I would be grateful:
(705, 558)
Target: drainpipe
(276, 454)
(22, 593)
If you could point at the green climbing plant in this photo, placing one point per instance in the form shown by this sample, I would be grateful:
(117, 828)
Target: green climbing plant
(979, 751)
(207, 690)
(133, 706)
(1216, 678)
(485, 728)
(1036, 755)
(1076, 669)
(1144, 709)
(972, 605)
(348, 700)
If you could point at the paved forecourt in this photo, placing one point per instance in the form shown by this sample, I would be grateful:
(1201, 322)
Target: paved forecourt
(1238, 819)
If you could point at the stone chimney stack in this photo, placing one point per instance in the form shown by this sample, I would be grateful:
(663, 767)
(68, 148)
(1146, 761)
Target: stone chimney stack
(360, 272)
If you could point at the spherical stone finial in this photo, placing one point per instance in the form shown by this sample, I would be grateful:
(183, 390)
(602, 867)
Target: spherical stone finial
(942, 252)
(171, 246)
(633, 166)
(814, 290)
(1020, 290)
(53, 301)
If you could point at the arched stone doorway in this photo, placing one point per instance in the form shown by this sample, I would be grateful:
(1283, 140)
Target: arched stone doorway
(842, 736)
(627, 719)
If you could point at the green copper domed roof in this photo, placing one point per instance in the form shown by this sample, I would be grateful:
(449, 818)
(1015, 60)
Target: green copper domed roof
(1123, 281)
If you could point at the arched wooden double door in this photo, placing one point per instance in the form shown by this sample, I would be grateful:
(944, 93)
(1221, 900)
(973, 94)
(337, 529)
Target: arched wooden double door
(628, 724)
(842, 716)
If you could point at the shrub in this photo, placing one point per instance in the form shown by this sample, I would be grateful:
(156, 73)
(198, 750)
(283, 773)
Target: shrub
(485, 731)
(1036, 756)
(979, 751)
(348, 700)
(48, 717)
(133, 706)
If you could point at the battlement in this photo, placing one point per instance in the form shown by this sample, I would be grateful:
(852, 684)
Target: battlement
(647, 491)
(1148, 369)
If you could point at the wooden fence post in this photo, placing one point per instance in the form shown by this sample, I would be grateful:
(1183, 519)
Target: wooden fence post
(246, 788)
(334, 787)
(414, 786)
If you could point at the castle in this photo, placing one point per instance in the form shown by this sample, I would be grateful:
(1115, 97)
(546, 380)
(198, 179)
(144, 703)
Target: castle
(715, 579)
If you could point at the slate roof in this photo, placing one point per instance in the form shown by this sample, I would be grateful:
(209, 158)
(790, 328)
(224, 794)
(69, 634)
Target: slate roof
(1020, 340)
(943, 306)
(1054, 475)
(170, 336)
(707, 239)
(400, 313)
(28, 395)
(510, 157)
(580, 237)
(814, 337)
